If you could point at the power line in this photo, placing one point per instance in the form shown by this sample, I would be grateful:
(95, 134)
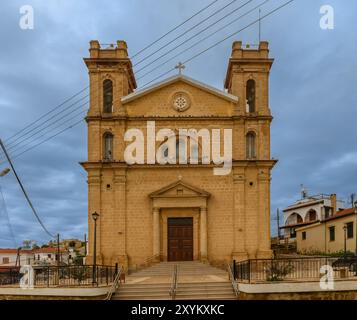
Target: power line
(47, 113)
(53, 129)
(219, 42)
(202, 40)
(49, 125)
(182, 34)
(24, 191)
(172, 30)
(195, 35)
(79, 92)
(49, 138)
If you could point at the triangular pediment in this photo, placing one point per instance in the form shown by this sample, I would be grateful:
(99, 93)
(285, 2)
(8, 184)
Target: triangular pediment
(179, 78)
(179, 189)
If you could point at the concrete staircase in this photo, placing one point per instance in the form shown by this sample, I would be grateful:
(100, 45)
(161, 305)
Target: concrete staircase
(196, 281)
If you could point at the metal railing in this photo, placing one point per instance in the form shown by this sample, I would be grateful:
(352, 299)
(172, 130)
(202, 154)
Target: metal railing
(294, 269)
(173, 288)
(115, 285)
(232, 279)
(62, 276)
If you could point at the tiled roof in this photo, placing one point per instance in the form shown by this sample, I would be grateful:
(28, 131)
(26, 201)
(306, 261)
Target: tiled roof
(342, 213)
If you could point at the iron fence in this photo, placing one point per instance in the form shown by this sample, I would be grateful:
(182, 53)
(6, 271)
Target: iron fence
(295, 269)
(62, 276)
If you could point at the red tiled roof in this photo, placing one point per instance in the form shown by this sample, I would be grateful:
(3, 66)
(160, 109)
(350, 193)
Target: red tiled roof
(13, 251)
(47, 250)
(342, 213)
(40, 250)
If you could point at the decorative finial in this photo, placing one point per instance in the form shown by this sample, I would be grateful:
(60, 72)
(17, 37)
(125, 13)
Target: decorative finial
(180, 66)
(180, 177)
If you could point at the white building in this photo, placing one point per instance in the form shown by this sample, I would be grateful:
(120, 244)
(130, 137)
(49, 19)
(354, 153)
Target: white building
(309, 209)
(13, 257)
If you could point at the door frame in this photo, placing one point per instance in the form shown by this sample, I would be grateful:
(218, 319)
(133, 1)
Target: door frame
(166, 213)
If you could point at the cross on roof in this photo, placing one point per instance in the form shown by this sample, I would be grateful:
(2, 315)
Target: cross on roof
(180, 67)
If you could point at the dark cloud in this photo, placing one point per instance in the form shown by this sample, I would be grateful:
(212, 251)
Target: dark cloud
(312, 95)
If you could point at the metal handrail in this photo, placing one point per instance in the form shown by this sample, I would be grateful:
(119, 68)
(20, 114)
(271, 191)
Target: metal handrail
(233, 281)
(114, 286)
(173, 288)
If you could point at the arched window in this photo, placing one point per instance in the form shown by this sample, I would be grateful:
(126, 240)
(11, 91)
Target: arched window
(250, 145)
(250, 96)
(180, 150)
(108, 146)
(107, 96)
(311, 216)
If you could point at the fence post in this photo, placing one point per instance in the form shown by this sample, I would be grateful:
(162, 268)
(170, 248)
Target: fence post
(249, 270)
(48, 277)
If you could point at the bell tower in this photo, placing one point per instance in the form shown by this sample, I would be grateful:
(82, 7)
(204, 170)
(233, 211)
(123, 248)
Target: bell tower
(248, 78)
(110, 78)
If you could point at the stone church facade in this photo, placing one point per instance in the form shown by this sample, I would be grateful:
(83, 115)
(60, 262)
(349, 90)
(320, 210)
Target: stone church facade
(167, 212)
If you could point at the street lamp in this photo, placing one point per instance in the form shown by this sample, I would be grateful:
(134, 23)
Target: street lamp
(4, 172)
(95, 217)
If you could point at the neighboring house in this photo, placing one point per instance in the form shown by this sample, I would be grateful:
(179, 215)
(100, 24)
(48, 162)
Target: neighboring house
(9, 257)
(333, 234)
(309, 210)
(49, 255)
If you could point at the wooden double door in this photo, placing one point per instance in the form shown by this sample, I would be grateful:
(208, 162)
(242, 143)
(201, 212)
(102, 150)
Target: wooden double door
(180, 239)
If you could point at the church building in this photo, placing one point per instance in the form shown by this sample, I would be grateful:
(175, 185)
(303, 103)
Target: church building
(153, 203)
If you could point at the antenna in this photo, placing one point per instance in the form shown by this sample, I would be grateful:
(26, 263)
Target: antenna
(260, 25)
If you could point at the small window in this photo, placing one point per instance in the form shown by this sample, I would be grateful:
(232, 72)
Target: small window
(349, 230)
(49, 256)
(250, 96)
(107, 96)
(108, 146)
(332, 233)
(304, 235)
(5, 260)
(250, 145)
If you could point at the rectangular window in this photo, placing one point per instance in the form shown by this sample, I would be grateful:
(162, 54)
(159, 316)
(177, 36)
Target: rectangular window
(5, 260)
(332, 233)
(304, 235)
(349, 230)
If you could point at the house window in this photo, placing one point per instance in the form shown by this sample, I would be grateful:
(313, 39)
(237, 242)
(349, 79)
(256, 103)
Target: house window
(304, 235)
(108, 146)
(5, 260)
(332, 233)
(250, 96)
(49, 256)
(107, 96)
(349, 230)
(250, 145)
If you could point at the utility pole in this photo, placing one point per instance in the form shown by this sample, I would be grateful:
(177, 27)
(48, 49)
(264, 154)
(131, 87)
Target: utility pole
(352, 196)
(278, 221)
(58, 250)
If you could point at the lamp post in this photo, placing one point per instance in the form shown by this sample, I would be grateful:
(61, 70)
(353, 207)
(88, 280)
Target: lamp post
(4, 172)
(95, 217)
(345, 241)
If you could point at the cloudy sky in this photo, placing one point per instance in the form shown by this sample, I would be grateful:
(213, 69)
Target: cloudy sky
(312, 94)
